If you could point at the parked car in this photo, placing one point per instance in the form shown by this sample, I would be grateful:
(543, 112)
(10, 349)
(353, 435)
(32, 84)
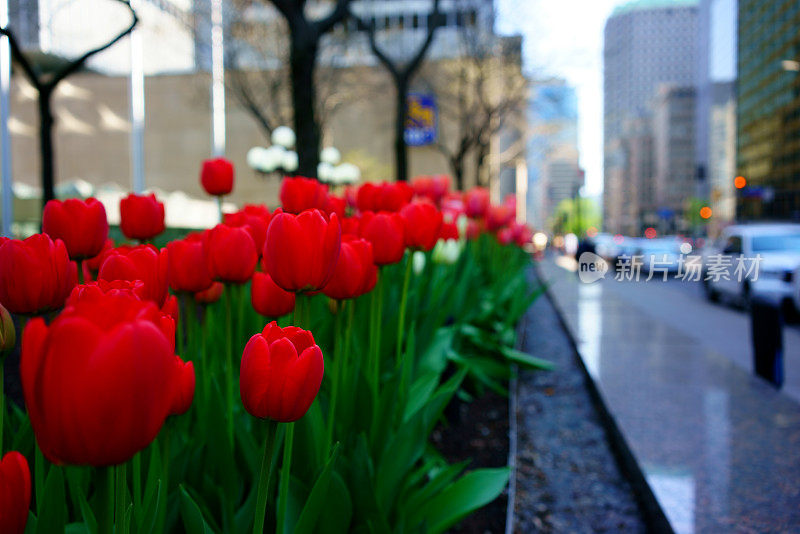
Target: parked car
(753, 259)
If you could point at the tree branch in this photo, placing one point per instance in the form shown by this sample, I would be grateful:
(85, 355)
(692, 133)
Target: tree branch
(339, 12)
(16, 51)
(78, 63)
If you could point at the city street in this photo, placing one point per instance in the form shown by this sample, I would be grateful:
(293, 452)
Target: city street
(719, 326)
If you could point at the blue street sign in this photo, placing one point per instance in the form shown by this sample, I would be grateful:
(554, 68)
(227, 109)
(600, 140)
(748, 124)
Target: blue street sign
(421, 120)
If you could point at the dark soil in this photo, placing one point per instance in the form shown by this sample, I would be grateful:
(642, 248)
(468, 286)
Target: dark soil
(477, 432)
(568, 479)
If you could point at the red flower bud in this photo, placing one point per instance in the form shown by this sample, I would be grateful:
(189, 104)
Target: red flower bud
(299, 194)
(15, 493)
(141, 216)
(448, 231)
(268, 299)
(35, 274)
(82, 225)
(301, 250)
(386, 232)
(431, 187)
(216, 176)
(230, 253)
(142, 262)
(422, 222)
(186, 265)
(281, 373)
(99, 380)
(355, 272)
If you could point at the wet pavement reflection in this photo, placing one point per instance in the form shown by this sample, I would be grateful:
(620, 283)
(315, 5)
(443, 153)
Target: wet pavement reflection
(719, 448)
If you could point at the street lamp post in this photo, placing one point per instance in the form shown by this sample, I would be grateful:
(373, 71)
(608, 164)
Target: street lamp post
(5, 138)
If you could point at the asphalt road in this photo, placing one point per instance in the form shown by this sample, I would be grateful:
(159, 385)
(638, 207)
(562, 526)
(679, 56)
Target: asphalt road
(722, 327)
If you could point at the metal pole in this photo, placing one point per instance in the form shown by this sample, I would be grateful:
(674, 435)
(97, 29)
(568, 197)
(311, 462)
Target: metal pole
(5, 138)
(137, 111)
(217, 80)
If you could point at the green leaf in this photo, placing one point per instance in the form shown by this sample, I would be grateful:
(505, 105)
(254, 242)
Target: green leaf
(526, 360)
(434, 359)
(77, 492)
(470, 492)
(317, 499)
(53, 516)
(193, 519)
(337, 514)
(421, 390)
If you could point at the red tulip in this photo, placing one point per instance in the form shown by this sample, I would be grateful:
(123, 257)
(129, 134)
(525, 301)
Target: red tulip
(82, 225)
(476, 202)
(268, 299)
(171, 308)
(90, 266)
(301, 250)
(281, 373)
(15, 493)
(210, 295)
(498, 216)
(141, 262)
(35, 274)
(216, 176)
(186, 265)
(350, 226)
(355, 272)
(256, 225)
(387, 196)
(100, 379)
(448, 231)
(422, 221)
(335, 205)
(386, 232)
(505, 236)
(91, 290)
(299, 194)
(141, 216)
(431, 187)
(230, 254)
(182, 387)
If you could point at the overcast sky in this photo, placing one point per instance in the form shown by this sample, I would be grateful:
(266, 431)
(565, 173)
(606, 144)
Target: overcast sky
(565, 38)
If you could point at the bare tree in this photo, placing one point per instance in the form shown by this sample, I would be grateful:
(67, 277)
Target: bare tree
(482, 92)
(305, 34)
(45, 84)
(258, 74)
(402, 74)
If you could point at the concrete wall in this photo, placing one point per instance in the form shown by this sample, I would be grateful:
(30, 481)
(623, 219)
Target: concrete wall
(92, 134)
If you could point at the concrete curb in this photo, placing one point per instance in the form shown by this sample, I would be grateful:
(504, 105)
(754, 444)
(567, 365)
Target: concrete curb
(657, 521)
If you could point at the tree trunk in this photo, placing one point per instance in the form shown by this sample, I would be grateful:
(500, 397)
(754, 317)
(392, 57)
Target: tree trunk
(400, 148)
(457, 167)
(46, 145)
(481, 172)
(303, 58)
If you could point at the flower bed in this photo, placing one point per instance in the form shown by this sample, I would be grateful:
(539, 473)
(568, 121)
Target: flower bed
(381, 306)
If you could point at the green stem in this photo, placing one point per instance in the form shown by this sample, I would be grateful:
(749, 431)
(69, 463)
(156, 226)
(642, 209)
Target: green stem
(401, 321)
(286, 470)
(229, 363)
(376, 357)
(121, 498)
(105, 491)
(136, 466)
(336, 371)
(264, 478)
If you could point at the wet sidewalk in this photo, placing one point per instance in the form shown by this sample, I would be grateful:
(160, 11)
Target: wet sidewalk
(718, 448)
